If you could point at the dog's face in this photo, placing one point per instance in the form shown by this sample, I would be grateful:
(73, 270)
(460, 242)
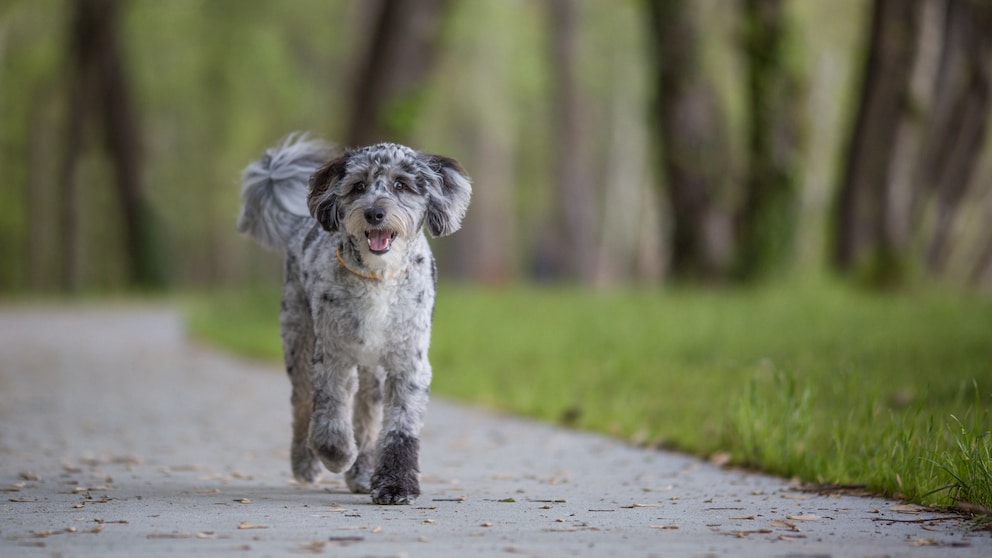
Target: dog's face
(387, 191)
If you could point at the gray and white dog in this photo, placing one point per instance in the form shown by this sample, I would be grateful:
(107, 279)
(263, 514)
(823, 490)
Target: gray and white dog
(358, 299)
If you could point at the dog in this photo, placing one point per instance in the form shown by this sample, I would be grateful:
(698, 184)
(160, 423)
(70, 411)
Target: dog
(358, 299)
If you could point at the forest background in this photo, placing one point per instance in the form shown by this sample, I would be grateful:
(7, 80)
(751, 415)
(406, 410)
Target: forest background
(833, 157)
(610, 143)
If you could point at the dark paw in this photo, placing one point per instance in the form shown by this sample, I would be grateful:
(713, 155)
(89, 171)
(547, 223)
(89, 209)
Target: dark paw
(397, 474)
(395, 491)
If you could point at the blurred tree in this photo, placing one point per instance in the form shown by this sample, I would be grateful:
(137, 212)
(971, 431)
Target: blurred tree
(875, 174)
(482, 65)
(695, 152)
(775, 123)
(918, 134)
(569, 246)
(959, 117)
(99, 94)
(398, 59)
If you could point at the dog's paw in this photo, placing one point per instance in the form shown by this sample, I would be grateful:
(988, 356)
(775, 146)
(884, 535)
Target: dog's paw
(306, 466)
(395, 490)
(359, 476)
(336, 458)
(335, 447)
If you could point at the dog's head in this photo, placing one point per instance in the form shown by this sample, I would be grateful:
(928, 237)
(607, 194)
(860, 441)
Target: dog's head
(387, 191)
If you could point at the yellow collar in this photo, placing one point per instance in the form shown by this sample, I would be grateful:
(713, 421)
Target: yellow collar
(364, 275)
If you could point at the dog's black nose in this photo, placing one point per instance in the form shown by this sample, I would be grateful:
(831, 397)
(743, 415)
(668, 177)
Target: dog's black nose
(375, 215)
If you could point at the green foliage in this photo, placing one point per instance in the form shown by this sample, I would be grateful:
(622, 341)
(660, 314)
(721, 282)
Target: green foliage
(823, 383)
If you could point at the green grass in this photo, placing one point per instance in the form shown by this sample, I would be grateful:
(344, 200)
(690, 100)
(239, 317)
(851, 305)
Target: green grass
(822, 383)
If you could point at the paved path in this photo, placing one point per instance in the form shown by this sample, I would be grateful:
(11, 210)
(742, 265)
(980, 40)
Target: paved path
(119, 437)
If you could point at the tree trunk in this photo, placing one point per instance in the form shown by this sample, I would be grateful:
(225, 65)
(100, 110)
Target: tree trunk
(885, 114)
(99, 87)
(695, 155)
(960, 120)
(388, 94)
(775, 120)
(573, 241)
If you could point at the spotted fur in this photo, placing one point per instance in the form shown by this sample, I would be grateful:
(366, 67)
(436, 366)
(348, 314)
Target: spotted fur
(358, 299)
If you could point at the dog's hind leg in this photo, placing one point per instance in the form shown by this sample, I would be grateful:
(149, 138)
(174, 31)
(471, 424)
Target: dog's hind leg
(297, 342)
(367, 423)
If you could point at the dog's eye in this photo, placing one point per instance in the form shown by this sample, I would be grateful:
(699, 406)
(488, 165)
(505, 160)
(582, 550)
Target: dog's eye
(360, 186)
(399, 186)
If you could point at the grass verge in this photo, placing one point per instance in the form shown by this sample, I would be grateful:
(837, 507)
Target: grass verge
(825, 384)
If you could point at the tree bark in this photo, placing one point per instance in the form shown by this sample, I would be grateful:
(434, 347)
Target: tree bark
(100, 95)
(695, 155)
(886, 104)
(388, 91)
(573, 243)
(960, 118)
(775, 121)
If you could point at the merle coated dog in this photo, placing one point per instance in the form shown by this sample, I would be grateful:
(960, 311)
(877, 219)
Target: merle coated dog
(358, 299)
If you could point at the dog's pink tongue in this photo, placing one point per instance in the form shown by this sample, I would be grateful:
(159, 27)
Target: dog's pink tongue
(379, 240)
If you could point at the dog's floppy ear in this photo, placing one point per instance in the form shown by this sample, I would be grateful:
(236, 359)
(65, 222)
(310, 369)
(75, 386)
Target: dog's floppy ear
(449, 190)
(322, 199)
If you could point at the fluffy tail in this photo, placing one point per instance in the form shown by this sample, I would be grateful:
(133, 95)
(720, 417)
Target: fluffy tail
(274, 189)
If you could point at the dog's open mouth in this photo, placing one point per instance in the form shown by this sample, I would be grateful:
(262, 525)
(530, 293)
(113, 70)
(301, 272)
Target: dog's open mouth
(380, 240)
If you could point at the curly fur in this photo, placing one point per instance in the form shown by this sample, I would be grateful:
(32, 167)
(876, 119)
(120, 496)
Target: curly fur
(358, 298)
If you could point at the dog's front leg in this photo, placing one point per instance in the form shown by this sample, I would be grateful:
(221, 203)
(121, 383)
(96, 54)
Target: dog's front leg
(397, 471)
(367, 424)
(334, 383)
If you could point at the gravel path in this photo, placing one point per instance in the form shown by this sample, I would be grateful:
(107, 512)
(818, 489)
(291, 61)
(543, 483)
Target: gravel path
(119, 437)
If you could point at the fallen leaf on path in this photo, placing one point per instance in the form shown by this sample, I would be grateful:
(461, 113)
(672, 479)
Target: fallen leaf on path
(29, 476)
(743, 534)
(787, 524)
(243, 501)
(923, 541)
(804, 517)
(791, 538)
(665, 527)
(907, 508)
(720, 458)
(313, 547)
(246, 525)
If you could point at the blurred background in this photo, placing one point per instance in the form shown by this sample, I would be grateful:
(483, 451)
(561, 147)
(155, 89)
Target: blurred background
(610, 143)
(633, 162)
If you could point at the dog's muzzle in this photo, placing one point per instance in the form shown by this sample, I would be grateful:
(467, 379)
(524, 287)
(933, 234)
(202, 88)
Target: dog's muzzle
(380, 238)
